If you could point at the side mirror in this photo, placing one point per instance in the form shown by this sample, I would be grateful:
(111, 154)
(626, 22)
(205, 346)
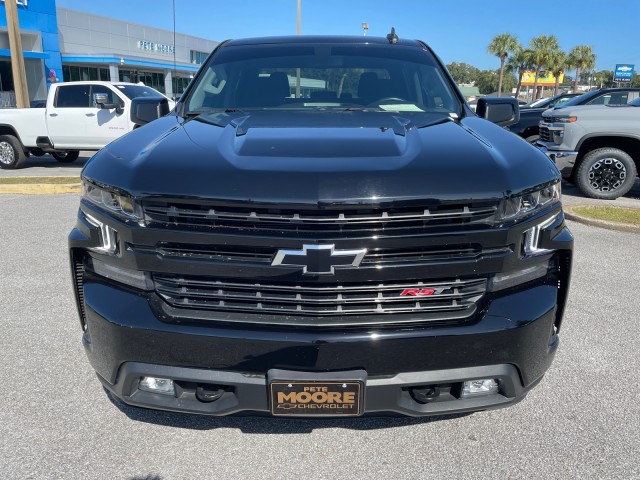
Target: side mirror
(148, 109)
(503, 111)
(101, 100)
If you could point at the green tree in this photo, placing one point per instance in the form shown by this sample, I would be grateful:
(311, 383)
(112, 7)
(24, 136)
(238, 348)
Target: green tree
(502, 46)
(488, 81)
(558, 62)
(463, 72)
(519, 63)
(542, 48)
(582, 57)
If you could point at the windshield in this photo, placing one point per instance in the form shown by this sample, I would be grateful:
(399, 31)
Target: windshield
(635, 103)
(134, 91)
(616, 97)
(323, 76)
(580, 99)
(539, 103)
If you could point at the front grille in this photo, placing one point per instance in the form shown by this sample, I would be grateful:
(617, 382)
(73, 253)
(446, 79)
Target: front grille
(185, 214)
(545, 134)
(232, 254)
(453, 299)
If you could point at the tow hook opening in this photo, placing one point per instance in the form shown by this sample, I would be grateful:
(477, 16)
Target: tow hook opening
(425, 394)
(209, 393)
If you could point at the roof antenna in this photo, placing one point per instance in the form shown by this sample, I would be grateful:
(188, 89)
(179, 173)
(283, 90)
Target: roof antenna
(392, 37)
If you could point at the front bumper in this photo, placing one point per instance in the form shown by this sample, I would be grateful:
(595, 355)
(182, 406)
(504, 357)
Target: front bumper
(514, 341)
(564, 159)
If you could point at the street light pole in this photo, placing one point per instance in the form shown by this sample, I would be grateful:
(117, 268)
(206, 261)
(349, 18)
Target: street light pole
(17, 58)
(298, 69)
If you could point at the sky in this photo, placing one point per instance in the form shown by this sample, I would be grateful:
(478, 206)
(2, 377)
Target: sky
(457, 30)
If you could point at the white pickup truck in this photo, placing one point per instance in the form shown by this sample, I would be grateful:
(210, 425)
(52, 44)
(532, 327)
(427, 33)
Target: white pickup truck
(77, 116)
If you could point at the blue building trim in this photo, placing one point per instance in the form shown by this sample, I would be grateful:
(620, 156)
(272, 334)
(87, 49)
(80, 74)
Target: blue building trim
(127, 62)
(40, 16)
(5, 52)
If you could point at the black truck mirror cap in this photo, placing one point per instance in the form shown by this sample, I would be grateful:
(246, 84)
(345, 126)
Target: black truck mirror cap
(503, 111)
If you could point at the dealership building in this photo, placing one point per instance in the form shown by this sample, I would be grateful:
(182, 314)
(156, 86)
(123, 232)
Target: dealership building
(67, 45)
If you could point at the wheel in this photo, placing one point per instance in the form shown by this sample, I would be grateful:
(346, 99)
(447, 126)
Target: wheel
(66, 156)
(11, 152)
(532, 139)
(606, 173)
(36, 152)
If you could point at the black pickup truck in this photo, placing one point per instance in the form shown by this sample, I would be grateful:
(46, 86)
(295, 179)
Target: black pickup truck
(322, 226)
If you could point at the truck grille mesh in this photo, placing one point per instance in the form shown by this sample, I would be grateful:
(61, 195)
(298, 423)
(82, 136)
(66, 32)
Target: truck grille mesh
(545, 134)
(234, 254)
(453, 299)
(349, 219)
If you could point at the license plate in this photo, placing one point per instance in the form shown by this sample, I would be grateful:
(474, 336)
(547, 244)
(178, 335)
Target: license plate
(315, 398)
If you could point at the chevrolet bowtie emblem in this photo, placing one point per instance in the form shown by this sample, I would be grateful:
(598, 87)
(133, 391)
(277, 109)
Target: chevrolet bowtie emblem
(319, 259)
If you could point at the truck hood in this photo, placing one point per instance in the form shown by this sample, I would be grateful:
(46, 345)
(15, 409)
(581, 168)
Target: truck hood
(321, 158)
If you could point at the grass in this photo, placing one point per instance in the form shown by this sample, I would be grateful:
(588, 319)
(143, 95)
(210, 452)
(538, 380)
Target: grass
(628, 216)
(37, 180)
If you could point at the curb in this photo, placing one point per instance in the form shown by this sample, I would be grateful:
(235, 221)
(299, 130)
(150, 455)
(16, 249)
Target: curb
(39, 188)
(620, 227)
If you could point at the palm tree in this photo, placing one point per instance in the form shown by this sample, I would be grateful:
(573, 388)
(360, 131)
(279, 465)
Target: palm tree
(558, 62)
(501, 46)
(582, 56)
(519, 62)
(542, 47)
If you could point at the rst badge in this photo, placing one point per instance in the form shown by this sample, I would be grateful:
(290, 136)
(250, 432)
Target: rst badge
(319, 259)
(422, 292)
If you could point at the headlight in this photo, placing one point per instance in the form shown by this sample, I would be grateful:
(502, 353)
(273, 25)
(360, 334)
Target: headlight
(119, 205)
(515, 208)
(564, 119)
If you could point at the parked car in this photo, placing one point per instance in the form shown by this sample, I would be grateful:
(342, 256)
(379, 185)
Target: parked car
(595, 146)
(550, 102)
(374, 247)
(528, 126)
(77, 116)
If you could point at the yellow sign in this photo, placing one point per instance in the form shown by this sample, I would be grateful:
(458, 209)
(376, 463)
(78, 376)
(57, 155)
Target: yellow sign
(546, 79)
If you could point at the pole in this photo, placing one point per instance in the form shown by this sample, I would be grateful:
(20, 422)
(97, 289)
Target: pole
(17, 59)
(298, 69)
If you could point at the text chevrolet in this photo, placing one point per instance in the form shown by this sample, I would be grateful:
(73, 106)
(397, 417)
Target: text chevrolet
(322, 226)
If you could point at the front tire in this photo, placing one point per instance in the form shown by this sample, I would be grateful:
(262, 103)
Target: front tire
(606, 173)
(11, 152)
(67, 156)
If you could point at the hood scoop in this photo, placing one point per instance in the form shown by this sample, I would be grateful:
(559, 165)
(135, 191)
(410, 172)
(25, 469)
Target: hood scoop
(356, 119)
(330, 135)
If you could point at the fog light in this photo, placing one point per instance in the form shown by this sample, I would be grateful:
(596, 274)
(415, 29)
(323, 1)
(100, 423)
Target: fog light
(163, 386)
(483, 386)
(120, 274)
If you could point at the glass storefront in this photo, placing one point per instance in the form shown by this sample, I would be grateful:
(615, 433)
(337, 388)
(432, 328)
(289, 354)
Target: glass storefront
(73, 73)
(150, 79)
(180, 85)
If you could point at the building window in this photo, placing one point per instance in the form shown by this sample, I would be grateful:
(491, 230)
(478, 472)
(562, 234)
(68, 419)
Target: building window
(150, 79)
(74, 73)
(198, 58)
(180, 85)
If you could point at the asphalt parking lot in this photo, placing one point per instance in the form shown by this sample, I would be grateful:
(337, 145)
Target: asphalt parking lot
(582, 421)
